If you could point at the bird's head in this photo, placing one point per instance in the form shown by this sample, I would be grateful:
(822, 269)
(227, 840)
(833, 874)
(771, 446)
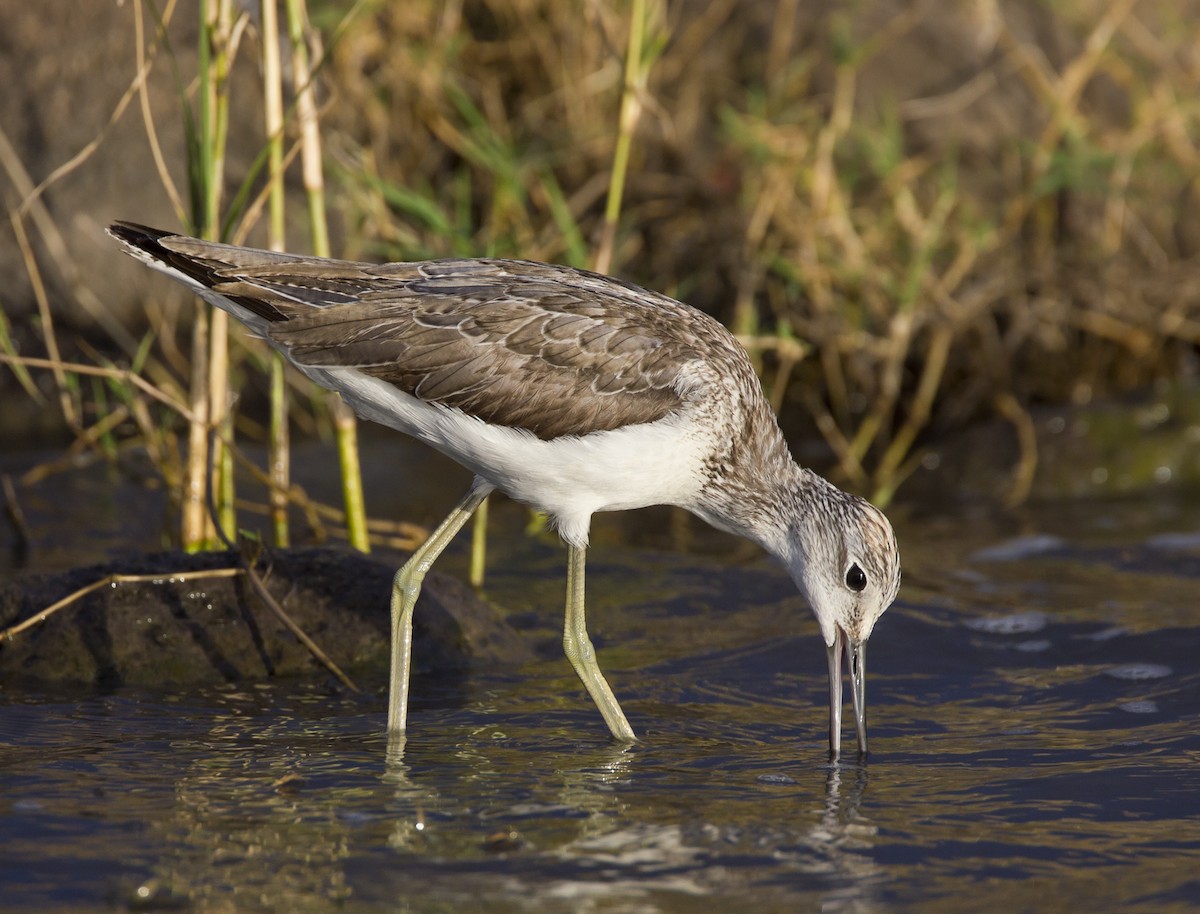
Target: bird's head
(846, 562)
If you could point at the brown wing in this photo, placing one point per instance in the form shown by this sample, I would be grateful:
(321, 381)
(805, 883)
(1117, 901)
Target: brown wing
(546, 362)
(552, 350)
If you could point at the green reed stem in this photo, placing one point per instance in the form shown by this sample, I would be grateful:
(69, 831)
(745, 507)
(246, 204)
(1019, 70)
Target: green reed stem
(279, 448)
(345, 425)
(217, 40)
(478, 567)
(636, 70)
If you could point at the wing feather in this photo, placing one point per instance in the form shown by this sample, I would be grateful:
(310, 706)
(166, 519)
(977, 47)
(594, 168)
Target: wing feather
(552, 350)
(514, 361)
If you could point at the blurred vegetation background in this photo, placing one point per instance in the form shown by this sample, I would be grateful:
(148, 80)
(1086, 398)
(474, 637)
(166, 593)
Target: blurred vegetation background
(917, 215)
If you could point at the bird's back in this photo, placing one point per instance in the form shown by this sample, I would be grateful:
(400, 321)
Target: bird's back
(549, 349)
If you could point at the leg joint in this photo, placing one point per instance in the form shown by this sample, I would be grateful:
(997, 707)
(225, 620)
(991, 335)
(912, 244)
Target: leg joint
(578, 648)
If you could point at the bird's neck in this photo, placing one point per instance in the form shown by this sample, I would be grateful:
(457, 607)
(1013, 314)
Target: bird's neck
(756, 493)
(783, 503)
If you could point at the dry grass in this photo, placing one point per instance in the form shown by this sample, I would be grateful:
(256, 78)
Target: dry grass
(956, 215)
(915, 214)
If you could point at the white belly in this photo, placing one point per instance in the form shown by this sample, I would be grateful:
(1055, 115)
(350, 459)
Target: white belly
(569, 478)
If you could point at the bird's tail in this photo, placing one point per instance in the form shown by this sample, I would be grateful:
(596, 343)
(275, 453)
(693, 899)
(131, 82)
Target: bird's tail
(200, 266)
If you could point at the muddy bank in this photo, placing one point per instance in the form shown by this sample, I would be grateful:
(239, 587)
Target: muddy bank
(214, 629)
(1112, 448)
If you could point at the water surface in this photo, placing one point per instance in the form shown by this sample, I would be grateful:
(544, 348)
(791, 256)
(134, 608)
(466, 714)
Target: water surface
(1034, 708)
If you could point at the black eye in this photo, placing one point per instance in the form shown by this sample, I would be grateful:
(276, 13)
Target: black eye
(856, 578)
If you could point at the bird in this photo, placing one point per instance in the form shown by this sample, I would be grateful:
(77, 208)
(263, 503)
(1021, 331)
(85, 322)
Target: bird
(572, 392)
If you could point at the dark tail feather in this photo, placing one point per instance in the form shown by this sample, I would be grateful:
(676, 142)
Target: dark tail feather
(142, 236)
(148, 240)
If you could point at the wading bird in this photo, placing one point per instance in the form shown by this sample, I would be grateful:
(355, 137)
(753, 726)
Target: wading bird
(571, 392)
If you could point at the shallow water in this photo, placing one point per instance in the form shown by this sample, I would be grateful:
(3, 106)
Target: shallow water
(1034, 706)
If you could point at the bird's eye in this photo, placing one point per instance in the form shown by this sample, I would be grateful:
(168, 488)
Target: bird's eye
(856, 578)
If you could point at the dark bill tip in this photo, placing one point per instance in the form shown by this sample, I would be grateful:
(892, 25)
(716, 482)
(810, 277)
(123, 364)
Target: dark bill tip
(856, 659)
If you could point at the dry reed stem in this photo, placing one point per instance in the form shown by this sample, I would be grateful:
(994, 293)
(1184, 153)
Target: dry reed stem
(259, 587)
(402, 536)
(221, 34)
(399, 534)
(1061, 94)
(92, 145)
(145, 62)
(313, 178)
(57, 248)
(273, 122)
(259, 202)
(117, 374)
(932, 369)
(69, 460)
(151, 440)
(745, 317)
(1026, 468)
(84, 438)
(194, 520)
(779, 50)
(633, 90)
(110, 580)
(311, 159)
(848, 462)
(65, 400)
(926, 232)
(1116, 212)
(16, 516)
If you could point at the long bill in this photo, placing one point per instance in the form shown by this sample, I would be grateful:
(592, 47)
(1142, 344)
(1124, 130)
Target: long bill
(856, 665)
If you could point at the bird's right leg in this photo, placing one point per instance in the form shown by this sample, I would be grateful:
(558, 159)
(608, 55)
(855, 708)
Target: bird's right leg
(405, 590)
(581, 653)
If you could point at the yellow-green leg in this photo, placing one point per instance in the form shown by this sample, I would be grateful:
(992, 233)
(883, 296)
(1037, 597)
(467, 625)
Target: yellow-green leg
(582, 655)
(405, 590)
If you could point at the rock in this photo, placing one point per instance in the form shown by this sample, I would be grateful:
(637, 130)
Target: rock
(167, 632)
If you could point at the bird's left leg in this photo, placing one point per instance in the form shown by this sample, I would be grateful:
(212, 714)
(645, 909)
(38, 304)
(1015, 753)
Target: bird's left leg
(406, 588)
